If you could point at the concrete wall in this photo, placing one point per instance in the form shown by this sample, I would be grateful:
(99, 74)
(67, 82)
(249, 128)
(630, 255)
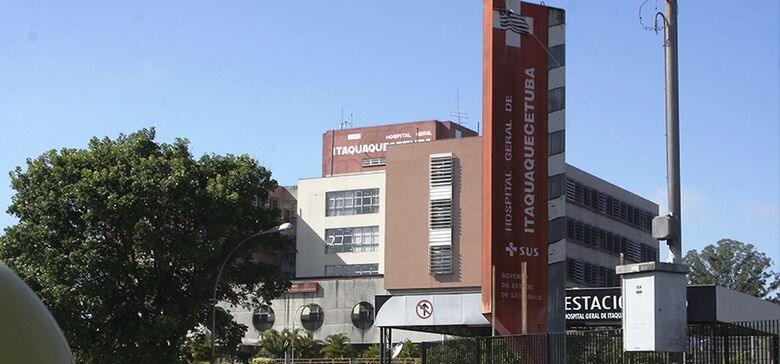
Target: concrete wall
(337, 297)
(312, 222)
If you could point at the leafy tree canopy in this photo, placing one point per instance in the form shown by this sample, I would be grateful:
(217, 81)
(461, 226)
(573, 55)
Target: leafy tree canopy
(336, 346)
(733, 264)
(274, 344)
(122, 241)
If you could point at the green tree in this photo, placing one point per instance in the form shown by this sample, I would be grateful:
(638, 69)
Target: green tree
(409, 350)
(273, 344)
(306, 346)
(122, 241)
(733, 264)
(336, 346)
(371, 352)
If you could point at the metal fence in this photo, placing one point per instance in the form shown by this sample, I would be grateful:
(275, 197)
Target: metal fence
(737, 343)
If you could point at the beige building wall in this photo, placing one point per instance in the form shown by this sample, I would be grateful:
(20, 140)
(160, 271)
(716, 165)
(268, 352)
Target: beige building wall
(312, 222)
(406, 232)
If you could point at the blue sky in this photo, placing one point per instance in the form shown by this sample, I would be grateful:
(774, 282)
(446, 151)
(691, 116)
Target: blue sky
(268, 78)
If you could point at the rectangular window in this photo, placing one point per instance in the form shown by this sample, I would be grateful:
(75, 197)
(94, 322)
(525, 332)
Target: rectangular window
(603, 203)
(351, 270)
(556, 56)
(588, 274)
(352, 239)
(556, 142)
(373, 162)
(556, 99)
(352, 202)
(555, 186)
(611, 243)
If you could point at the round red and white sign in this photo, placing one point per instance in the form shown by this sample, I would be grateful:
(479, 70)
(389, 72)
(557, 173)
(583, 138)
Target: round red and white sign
(424, 309)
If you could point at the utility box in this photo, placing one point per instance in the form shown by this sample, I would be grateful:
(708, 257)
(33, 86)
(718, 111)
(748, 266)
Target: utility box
(654, 307)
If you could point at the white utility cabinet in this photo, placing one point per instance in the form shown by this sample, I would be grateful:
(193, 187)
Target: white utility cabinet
(654, 307)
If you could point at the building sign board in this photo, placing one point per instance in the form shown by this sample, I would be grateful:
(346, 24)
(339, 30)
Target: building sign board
(303, 287)
(594, 306)
(515, 157)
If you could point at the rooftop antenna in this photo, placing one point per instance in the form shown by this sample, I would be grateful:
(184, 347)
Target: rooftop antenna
(457, 113)
(344, 123)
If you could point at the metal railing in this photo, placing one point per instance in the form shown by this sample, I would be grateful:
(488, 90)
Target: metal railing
(344, 361)
(736, 343)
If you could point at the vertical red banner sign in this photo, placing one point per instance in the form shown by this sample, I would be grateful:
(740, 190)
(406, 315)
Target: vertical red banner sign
(515, 161)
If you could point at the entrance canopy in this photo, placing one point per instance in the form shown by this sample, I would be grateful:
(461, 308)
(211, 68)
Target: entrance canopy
(461, 313)
(453, 314)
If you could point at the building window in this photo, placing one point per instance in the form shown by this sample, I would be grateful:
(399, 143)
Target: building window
(556, 142)
(351, 270)
(373, 162)
(312, 316)
(605, 204)
(556, 99)
(609, 242)
(363, 315)
(263, 318)
(352, 239)
(555, 185)
(353, 202)
(588, 274)
(293, 213)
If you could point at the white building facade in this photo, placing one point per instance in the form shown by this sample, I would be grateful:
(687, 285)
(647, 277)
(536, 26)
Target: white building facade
(340, 227)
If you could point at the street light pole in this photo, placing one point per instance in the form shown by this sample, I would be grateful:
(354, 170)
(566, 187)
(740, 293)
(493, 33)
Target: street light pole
(275, 229)
(292, 342)
(673, 132)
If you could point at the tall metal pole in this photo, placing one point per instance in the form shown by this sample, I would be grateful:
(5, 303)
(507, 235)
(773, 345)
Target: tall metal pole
(294, 335)
(673, 132)
(673, 143)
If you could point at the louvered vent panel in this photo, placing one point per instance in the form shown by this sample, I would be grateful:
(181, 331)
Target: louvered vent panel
(571, 190)
(633, 251)
(440, 213)
(440, 259)
(439, 237)
(441, 192)
(602, 203)
(579, 271)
